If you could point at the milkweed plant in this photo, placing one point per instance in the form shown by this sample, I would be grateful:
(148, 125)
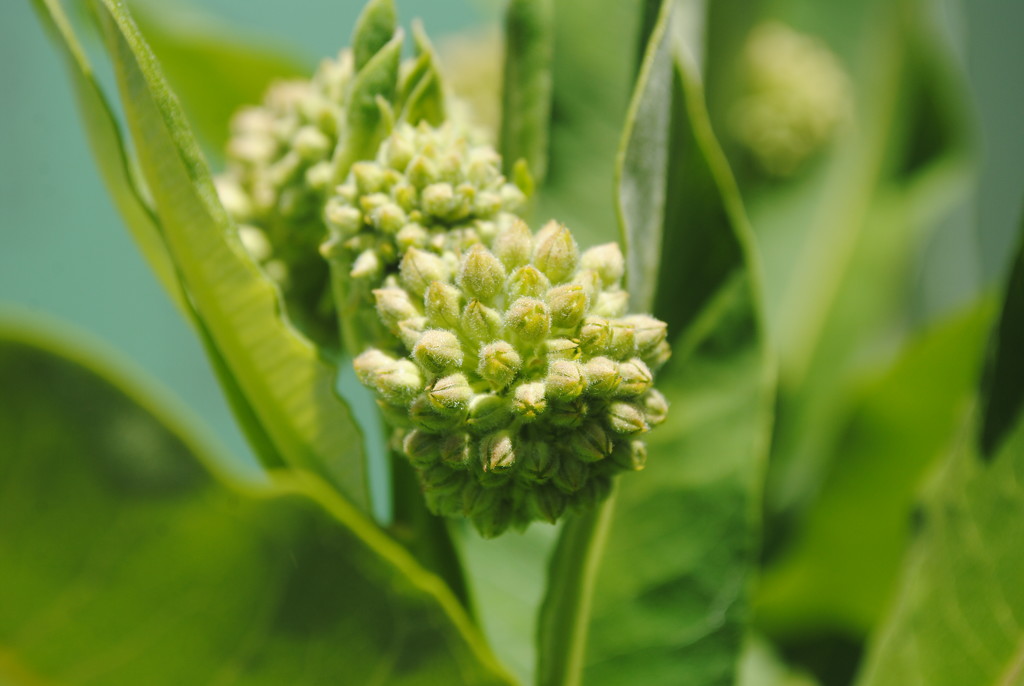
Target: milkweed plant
(708, 448)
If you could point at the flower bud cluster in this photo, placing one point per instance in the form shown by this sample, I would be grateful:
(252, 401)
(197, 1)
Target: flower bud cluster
(797, 94)
(279, 172)
(430, 194)
(527, 386)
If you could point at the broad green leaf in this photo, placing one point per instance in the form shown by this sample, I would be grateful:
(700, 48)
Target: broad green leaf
(670, 591)
(104, 136)
(959, 615)
(125, 562)
(841, 565)
(526, 92)
(282, 376)
(212, 68)
(374, 29)
(366, 121)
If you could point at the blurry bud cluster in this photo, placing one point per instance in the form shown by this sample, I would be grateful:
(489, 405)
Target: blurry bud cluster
(796, 95)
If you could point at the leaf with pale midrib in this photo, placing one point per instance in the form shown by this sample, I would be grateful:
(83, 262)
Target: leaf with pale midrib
(124, 562)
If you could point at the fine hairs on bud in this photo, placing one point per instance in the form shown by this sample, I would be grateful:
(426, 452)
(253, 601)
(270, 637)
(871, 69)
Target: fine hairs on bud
(438, 351)
(481, 275)
(556, 254)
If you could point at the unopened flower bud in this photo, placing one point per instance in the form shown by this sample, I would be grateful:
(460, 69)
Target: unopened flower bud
(311, 143)
(398, 383)
(499, 363)
(568, 414)
(590, 442)
(367, 266)
(450, 393)
(514, 245)
(565, 380)
(650, 332)
(421, 172)
(527, 282)
(480, 323)
(657, 357)
(426, 415)
(636, 378)
(389, 218)
(561, 349)
(369, 177)
(536, 461)
(411, 330)
(422, 448)
(529, 400)
(602, 375)
(568, 304)
(611, 303)
(456, 450)
(607, 261)
(630, 455)
(556, 254)
(370, 363)
(439, 200)
(626, 418)
(497, 453)
(595, 335)
(481, 275)
(655, 407)
(438, 350)
(571, 475)
(419, 269)
(546, 503)
(442, 303)
(411, 236)
(393, 306)
(529, 320)
(494, 519)
(487, 412)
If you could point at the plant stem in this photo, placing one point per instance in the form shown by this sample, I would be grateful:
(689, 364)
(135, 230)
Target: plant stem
(425, 535)
(565, 613)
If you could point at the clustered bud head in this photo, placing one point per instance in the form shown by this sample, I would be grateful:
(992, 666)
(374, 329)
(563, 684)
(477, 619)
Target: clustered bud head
(534, 385)
(430, 195)
(797, 95)
(278, 176)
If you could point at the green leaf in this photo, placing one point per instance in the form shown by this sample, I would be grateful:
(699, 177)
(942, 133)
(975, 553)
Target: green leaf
(374, 29)
(670, 587)
(125, 562)
(841, 565)
(526, 92)
(366, 121)
(959, 615)
(112, 159)
(212, 68)
(421, 92)
(282, 376)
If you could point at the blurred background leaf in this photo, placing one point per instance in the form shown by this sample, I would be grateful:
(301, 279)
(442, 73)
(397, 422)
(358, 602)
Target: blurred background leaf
(126, 562)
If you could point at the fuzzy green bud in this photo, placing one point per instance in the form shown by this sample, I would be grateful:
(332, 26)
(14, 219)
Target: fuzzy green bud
(636, 377)
(571, 475)
(602, 376)
(443, 305)
(650, 332)
(611, 303)
(556, 254)
(426, 415)
(499, 363)
(394, 306)
(497, 453)
(565, 380)
(422, 448)
(626, 418)
(568, 304)
(456, 450)
(411, 330)
(450, 393)
(419, 269)
(529, 401)
(595, 335)
(655, 407)
(527, 282)
(438, 350)
(590, 442)
(481, 274)
(529, 320)
(546, 503)
(399, 383)
(487, 412)
(561, 349)
(630, 455)
(514, 245)
(480, 323)
(607, 261)
(536, 461)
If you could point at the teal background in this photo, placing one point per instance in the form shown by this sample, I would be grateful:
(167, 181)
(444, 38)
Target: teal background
(65, 255)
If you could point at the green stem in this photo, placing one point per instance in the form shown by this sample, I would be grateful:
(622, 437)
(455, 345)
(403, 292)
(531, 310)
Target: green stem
(425, 534)
(565, 613)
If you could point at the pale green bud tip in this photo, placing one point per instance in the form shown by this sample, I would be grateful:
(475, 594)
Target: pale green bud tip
(442, 303)
(481, 274)
(438, 351)
(497, 453)
(394, 306)
(450, 392)
(565, 380)
(529, 320)
(514, 245)
(419, 269)
(480, 323)
(626, 418)
(499, 363)
(607, 261)
(568, 304)
(529, 400)
(556, 254)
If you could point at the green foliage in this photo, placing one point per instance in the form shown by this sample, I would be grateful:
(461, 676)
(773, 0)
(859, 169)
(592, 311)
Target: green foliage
(127, 560)
(775, 170)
